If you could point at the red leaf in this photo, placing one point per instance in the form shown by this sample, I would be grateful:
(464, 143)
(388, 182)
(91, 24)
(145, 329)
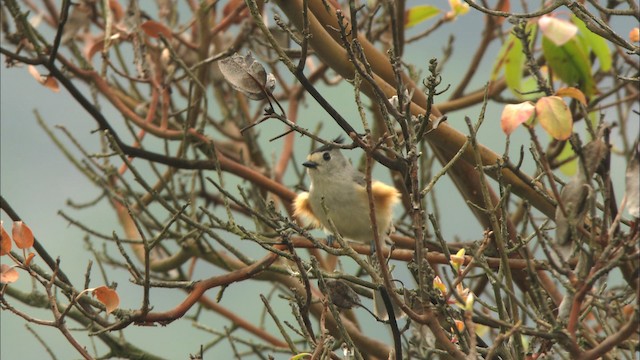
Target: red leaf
(5, 241)
(155, 29)
(108, 297)
(8, 274)
(22, 235)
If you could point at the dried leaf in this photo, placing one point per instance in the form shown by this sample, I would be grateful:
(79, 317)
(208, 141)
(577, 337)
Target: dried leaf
(8, 274)
(108, 297)
(341, 294)
(22, 235)
(632, 183)
(247, 75)
(155, 29)
(594, 154)
(5, 241)
(577, 198)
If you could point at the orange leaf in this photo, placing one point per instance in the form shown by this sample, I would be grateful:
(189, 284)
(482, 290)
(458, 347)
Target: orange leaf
(555, 117)
(8, 274)
(155, 29)
(108, 297)
(51, 83)
(634, 35)
(47, 81)
(22, 235)
(30, 257)
(505, 6)
(515, 114)
(116, 9)
(95, 47)
(35, 73)
(5, 241)
(572, 93)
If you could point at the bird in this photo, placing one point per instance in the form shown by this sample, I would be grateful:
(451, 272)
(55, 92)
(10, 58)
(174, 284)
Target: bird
(338, 192)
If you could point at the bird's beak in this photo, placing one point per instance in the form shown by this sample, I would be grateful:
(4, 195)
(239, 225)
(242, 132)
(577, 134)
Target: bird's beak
(310, 164)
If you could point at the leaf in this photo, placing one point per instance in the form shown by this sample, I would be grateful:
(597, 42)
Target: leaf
(154, 29)
(93, 49)
(504, 6)
(8, 274)
(570, 63)
(596, 43)
(555, 117)
(570, 167)
(572, 93)
(5, 240)
(116, 9)
(512, 59)
(634, 35)
(51, 83)
(108, 297)
(247, 75)
(417, 14)
(22, 235)
(29, 258)
(515, 114)
(458, 7)
(557, 30)
(48, 81)
(632, 183)
(301, 356)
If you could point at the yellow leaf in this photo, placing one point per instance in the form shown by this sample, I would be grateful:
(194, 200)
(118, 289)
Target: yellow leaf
(572, 93)
(555, 117)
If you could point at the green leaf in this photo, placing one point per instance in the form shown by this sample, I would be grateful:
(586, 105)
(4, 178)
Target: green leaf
(596, 43)
(555, 117)
(570, 167)
(418, 14)
(570, 63)
(512, 59)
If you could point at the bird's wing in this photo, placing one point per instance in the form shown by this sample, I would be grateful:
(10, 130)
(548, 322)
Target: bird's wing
(302, 208)
(359, 178)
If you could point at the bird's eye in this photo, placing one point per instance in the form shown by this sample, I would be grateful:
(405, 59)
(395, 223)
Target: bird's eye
(326, 156)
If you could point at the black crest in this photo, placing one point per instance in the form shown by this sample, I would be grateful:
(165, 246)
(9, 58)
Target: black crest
(330, 146)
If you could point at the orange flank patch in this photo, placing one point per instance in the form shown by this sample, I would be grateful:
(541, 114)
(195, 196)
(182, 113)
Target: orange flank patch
(384, 196)
(302, 208)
